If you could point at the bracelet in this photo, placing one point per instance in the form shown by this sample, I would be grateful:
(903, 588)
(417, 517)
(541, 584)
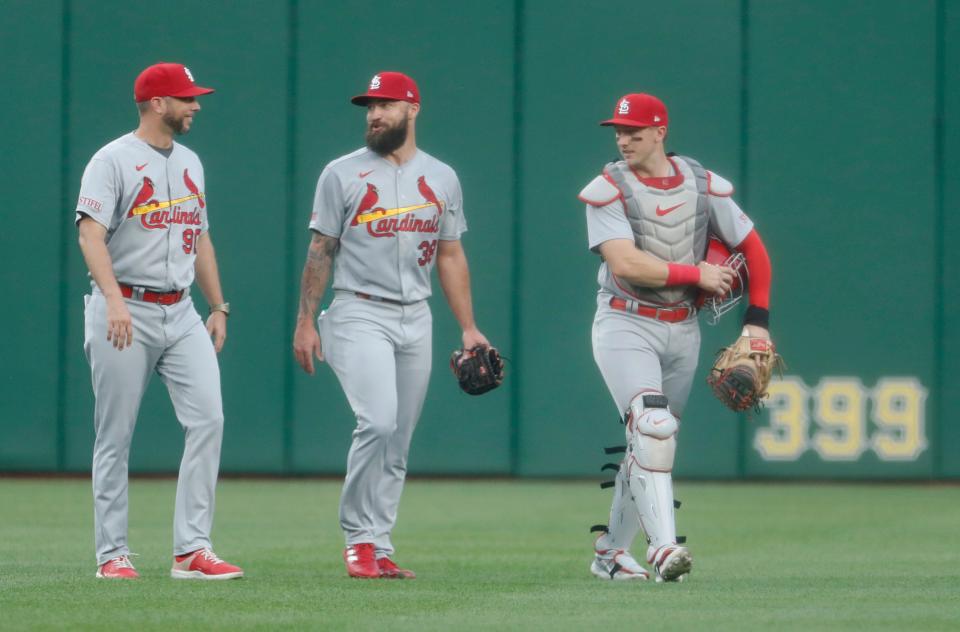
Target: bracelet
(222, 307)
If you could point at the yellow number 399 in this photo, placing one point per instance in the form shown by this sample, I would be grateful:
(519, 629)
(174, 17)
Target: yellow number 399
(839, 410)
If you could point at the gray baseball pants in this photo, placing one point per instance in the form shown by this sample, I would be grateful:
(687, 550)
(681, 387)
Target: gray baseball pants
(381, 354)
(635, 354)
(173, 341)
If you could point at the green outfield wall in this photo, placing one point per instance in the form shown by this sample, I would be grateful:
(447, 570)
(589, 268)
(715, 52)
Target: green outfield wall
(837, 121)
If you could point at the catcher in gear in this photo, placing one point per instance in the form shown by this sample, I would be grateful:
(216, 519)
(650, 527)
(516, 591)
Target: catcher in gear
(478, 370)
(650, 217)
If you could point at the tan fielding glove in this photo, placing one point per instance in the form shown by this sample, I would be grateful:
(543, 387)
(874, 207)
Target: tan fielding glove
(741, 374)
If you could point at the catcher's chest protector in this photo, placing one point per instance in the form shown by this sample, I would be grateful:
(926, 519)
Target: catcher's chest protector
(671, 224)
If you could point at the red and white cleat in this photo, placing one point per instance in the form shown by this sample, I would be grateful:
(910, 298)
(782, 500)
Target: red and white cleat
(361, 560)
(670, 562)
(618, 565)
(117, 568)
(390, 570)
(203, 564)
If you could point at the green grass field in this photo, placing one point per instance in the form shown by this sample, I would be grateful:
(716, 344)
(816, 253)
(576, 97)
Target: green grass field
(495, 555)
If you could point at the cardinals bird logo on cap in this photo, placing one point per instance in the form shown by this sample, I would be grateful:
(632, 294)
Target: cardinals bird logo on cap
(624, 107)
(189, 74)
(375, 82)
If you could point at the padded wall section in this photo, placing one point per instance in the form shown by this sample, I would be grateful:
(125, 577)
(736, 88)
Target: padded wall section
(950, 303)
(31, 239)
(850, 197)
(576, 65)
(240, 137)
(462, 59)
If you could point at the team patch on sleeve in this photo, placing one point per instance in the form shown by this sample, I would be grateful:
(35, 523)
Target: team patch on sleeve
(90, 204)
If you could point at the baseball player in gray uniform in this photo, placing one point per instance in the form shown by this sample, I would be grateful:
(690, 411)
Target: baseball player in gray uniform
(142, 218)
(382, 217)
(649, 216)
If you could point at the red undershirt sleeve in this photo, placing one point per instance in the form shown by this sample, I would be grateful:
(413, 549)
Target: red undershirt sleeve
(758, 265)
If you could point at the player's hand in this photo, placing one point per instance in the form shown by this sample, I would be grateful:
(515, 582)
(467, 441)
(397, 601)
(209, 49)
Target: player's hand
(715, 279)
(756, 331)
(119, 323)
(217, 328)
(473, 337)
(306, 345)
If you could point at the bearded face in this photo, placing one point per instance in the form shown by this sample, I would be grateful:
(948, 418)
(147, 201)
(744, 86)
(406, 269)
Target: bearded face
(175, 122)
(179, 113)
(384, 137)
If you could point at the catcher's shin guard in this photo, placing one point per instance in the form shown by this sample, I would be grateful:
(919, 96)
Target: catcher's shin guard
(624, 522)
(652, 444)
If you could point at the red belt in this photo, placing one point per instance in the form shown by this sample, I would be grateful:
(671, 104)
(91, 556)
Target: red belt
(140, 294)
(666, 314)
(379, 299)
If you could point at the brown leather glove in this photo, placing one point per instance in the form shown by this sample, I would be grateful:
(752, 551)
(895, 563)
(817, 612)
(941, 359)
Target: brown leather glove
(742, 372)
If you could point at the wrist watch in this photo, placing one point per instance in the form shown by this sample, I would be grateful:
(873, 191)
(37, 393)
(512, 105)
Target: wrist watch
(222, 307)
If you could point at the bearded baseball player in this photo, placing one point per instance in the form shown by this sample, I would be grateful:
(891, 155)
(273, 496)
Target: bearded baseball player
(649, 217)
(383, 216)
(144, 234)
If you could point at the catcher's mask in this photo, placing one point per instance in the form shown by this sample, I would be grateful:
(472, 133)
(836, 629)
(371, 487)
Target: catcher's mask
(719, 255)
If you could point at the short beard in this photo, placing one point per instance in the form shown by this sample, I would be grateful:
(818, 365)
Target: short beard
(175, 124)
(388, 140)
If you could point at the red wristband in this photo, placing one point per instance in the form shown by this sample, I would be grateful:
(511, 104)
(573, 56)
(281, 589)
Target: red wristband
(681, 274)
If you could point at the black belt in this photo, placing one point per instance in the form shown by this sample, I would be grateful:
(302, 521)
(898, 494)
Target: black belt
(379, 299)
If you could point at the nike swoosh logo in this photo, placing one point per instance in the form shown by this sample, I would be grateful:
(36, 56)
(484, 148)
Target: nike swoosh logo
(380, 213)
(140, 167)
(663, 211)
(364, 174)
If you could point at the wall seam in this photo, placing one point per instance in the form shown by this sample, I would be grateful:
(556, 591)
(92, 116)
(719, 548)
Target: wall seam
(939, 174)
(743, 419)
(63, 294)
(290, 286)
(516, 321)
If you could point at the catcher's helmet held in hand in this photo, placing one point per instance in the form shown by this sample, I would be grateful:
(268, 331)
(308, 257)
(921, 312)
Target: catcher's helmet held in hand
(719, 255)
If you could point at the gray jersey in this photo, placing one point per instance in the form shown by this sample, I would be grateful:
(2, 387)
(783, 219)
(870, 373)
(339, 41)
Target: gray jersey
(388, 219)
(153, 207)
(664, 199)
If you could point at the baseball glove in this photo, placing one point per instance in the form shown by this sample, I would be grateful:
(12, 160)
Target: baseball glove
(741, 374)
(478, 370)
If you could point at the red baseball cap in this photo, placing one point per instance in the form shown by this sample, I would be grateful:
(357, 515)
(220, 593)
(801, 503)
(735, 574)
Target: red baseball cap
(639, 110)
(166, 80)
(395, 86)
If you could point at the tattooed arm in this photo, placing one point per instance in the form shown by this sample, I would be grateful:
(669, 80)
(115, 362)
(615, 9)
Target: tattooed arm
(316, 272)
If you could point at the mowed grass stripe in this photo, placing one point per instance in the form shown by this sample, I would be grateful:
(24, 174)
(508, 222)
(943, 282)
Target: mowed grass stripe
(495, 555)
